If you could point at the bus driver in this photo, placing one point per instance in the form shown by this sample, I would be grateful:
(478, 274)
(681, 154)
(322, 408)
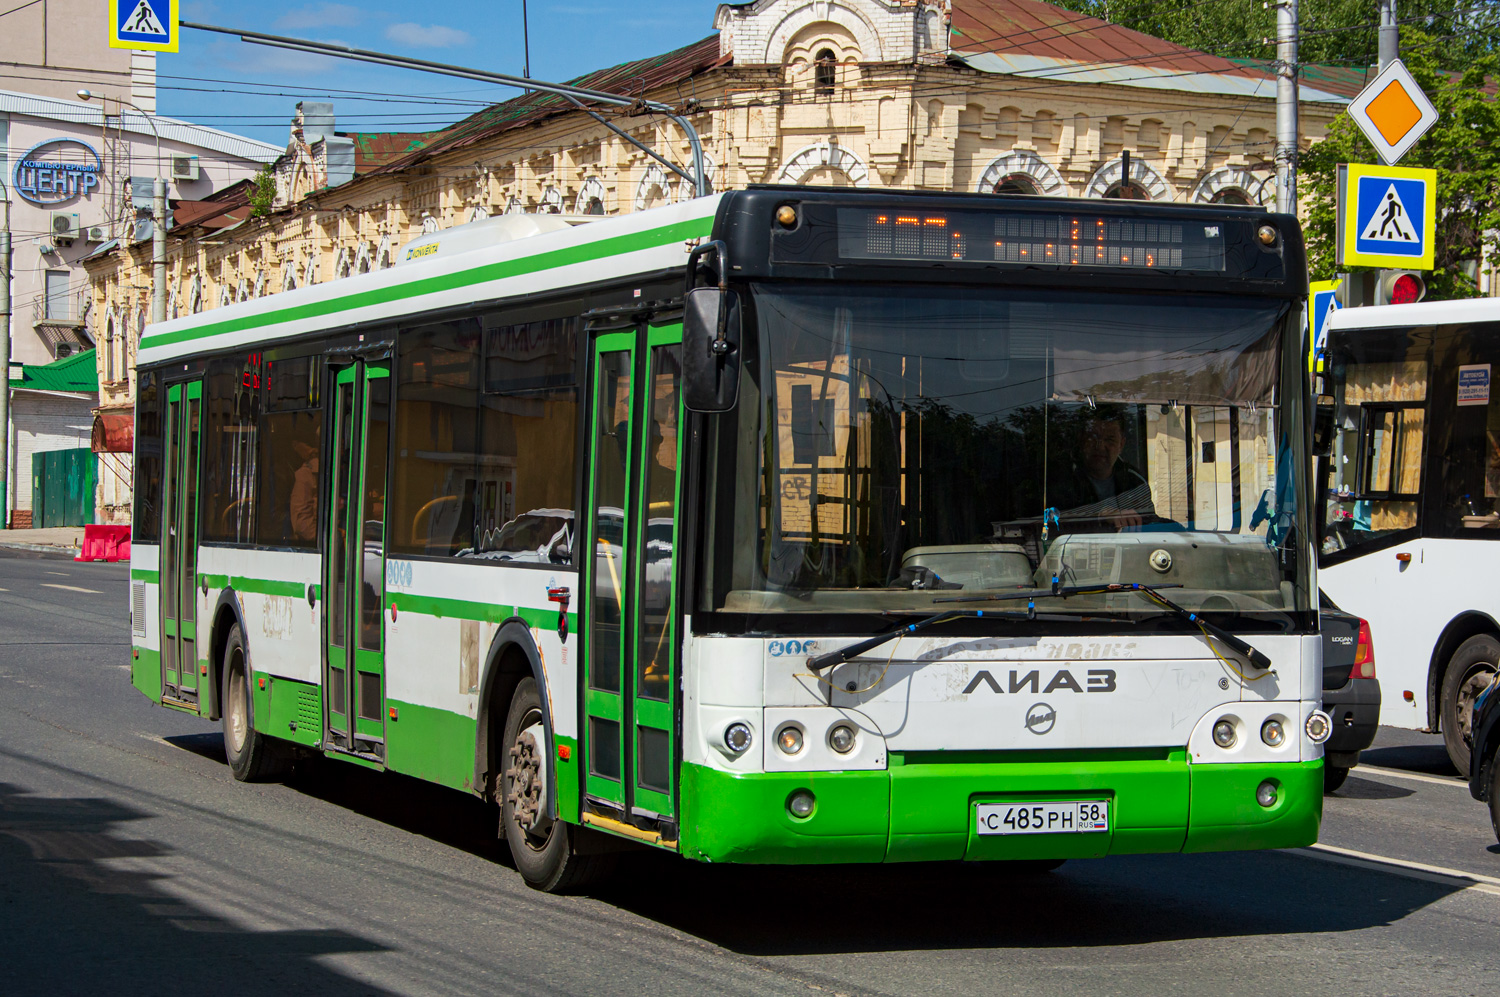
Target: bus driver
(1102, 491)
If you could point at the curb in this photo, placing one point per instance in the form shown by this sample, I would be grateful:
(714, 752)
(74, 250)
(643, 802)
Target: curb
(42, 548)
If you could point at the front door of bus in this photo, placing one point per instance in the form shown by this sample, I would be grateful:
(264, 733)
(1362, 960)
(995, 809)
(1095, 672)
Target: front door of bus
(179, 543)
(354, 560)
(631, 644)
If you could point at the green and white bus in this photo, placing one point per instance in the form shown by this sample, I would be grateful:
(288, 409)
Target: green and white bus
(784, 525)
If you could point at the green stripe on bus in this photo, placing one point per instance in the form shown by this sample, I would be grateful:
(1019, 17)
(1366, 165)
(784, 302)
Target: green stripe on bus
(484, 612)
(144, 575)
(634, 242)
(255, 586)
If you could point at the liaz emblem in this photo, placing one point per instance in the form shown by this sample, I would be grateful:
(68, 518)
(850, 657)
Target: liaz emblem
(1096, 680)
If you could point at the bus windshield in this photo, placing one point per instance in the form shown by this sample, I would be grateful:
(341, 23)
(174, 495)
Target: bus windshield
(891, 447)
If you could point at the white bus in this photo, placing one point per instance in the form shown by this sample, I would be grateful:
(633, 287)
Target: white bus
(1411, 502)
(782, 525)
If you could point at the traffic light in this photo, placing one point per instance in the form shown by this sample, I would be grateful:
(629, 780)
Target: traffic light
(1399, 287)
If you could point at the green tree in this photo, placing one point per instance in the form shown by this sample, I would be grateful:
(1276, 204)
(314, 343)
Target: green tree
(263, 194)
(1464, 148)
(1334, 32)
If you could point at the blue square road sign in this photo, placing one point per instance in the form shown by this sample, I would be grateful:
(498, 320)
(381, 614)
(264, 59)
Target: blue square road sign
(1390, 216)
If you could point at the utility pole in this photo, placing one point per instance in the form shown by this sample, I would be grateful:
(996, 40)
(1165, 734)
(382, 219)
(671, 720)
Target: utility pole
(158, 212)
(1286, 106)
(5, 363)
(1390, 34)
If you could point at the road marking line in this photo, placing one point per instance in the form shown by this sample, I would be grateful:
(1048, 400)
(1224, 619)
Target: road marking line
(70, 588)
(1399, 774)
(1402, 867)
(60, 574)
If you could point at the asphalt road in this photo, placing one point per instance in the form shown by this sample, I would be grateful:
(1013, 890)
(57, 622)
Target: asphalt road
(131, 862)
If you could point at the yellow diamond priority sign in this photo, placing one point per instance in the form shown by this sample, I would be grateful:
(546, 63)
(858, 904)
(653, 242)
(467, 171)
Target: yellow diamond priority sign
(1393, 112)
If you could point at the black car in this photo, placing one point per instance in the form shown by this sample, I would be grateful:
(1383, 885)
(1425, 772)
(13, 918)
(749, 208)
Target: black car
(1351, 693)
(1484, 768)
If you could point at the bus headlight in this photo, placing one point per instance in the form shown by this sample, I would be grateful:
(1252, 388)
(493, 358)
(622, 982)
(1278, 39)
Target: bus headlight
(1224, 735)
(1318, 726)
(1272, 733)
(1265, 794)
(737, 737)
(789, 739)
(800, 804)
(841, 738)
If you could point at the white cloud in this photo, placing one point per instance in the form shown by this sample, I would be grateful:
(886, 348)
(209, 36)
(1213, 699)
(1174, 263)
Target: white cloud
(430, 36)
(322, 15)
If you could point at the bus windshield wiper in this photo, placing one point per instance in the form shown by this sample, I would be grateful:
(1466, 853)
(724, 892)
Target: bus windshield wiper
(1152, 592)
(843, 654)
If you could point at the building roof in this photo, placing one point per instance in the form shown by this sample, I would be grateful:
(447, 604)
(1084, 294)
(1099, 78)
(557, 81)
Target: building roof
(373, 150)
(75, 373)
(638, 77)
(1029, 38)
(227, 206)
(171, 129)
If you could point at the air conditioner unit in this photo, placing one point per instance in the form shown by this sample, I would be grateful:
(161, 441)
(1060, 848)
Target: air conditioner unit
(64, 228)
(184, 167)
(96, 233)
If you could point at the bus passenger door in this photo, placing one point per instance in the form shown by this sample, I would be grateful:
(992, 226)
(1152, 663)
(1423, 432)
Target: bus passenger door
(629, 575)
(354, 561)
(179, 538)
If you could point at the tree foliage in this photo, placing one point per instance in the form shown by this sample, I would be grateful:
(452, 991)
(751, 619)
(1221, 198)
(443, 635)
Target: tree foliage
(1464, 148)
(1333, 32)
(263, 195)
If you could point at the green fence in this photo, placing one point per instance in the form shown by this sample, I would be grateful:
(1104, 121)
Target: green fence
(62, 488)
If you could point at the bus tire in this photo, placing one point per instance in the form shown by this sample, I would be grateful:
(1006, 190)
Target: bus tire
(1468, 673)
(253, 757)
(1495, 797)
(1333, 777)
(545, 850)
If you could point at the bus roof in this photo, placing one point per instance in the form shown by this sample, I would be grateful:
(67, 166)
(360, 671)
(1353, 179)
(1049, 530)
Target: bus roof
(613, 248)
(1419, 313)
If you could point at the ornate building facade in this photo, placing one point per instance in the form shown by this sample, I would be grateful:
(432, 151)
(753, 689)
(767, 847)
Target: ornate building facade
(990, 96)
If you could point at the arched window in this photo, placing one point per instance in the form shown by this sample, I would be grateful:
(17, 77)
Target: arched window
(594, 207)
(1231, 195)
(1128, 191)
(825, 73)
(1016, 183)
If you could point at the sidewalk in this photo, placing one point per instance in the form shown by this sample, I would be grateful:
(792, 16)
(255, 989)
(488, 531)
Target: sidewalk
(56, 540)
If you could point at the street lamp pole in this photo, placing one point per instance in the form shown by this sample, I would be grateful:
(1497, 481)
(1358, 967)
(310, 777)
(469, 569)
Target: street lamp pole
(158, 215)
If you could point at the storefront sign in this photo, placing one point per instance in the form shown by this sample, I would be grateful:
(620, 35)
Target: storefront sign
(56, 171)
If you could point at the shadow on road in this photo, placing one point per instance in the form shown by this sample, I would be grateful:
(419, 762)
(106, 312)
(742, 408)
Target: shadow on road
(797, 910)
(81, 923)
(1355, 788)
(1430, 758)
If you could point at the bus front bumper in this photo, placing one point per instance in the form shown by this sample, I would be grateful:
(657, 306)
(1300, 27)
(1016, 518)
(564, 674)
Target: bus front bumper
(924, 810)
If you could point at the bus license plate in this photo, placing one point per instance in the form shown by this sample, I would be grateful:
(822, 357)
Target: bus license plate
(1055, 817)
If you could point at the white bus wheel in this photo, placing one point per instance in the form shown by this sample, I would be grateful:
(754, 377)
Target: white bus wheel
(253, 757)
(1468, 674)
(544, 850)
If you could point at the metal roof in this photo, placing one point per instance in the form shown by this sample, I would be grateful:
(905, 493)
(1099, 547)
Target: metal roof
(172, 130)
(75, 373)
(1029, 38)
(638, 77)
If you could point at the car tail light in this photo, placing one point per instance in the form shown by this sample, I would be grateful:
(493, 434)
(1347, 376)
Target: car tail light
(1364, 653)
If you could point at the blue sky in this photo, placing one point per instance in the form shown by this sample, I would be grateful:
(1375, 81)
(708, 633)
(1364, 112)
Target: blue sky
(221, 81)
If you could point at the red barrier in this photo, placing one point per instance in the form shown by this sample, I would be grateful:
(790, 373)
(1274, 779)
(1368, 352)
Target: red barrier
(105, 543)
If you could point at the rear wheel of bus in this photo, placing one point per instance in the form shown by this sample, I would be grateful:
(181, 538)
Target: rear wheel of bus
(1469, 673)
(253, 757)
(546, 851)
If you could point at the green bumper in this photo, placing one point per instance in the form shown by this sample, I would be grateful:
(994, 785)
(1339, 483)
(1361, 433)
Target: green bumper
(922, 809)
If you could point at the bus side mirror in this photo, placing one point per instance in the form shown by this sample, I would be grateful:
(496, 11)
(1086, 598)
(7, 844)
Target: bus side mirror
(710, 350)
(1324, 414)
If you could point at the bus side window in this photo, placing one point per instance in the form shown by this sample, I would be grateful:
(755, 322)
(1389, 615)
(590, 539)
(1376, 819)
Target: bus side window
(146, 517)
(291, 440)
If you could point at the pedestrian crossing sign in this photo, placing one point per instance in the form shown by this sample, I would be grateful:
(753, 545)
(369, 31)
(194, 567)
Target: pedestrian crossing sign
(150, 25)
(1387, 216)
(1322, 301)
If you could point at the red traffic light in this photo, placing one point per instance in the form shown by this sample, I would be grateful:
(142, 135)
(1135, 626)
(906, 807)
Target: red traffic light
(1401, 287)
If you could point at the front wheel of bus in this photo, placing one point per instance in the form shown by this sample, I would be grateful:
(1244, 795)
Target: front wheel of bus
(253, 757)
(1469, 673)
(545, 850)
